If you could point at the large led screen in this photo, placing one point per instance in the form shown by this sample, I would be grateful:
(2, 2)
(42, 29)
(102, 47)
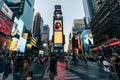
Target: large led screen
(58, 37)
(22, 43)
(5, 24)
(3, 43)
(58, 25)
(14, 44)
(87, 39)
(17, 27)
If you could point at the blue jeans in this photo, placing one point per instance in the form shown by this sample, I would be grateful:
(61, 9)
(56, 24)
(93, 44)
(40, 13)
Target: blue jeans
(17, 76)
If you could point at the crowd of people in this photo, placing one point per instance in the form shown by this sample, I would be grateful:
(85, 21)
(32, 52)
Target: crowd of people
(20, 66)
(15, 68)
(111, 64)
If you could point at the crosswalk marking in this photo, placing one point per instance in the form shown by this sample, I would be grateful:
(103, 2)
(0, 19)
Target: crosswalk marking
(62, 74)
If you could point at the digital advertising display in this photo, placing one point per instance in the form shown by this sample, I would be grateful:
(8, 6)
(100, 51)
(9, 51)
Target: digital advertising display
(14, 44)
(58, 37)
(22, 44)
(58, 25)
(17, 27)
(79, 42)
(25, 36)
(5, 24)
(87, 39)
(3, 43)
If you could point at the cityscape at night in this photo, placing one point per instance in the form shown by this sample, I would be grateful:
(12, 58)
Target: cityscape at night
(59, 39)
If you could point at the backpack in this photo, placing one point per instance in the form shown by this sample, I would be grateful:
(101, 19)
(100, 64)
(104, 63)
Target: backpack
(41, 59)
(9, 69)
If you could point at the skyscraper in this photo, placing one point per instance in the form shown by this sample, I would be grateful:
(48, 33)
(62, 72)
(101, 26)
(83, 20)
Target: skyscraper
(89, 10)
(37, 28)
(45, 34)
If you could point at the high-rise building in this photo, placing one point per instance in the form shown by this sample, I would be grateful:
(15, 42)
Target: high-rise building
(45, 34)
(105, 26)
(98, 4)
(58, 34)
(28, 9)
(21, 8)
(37, 28)
(89, 11)
(45, 38)
(78, 27)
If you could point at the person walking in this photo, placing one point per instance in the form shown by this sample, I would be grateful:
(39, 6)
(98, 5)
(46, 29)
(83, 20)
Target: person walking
(17, 67)
(2, 66)
(26, 68)
(8, 70)
(42, 62)
(53, 66)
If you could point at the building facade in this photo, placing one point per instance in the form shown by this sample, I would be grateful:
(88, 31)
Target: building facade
(89, 11)
(21, 8)
(78, 27)
(5, 27)
(105, 26)
(45, 34)
(37, 28)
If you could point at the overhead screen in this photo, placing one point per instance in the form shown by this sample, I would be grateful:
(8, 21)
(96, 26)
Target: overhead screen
(58, 38)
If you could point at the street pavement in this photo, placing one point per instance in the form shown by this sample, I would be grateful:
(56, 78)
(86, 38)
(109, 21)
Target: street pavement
(62, 73)
(81, 71)
(38, 71)
(90, 71)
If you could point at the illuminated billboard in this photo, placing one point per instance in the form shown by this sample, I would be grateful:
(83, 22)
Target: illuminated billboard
(3, 43)
(87, 39)
(5, 24)
(25, 35)
(58, 25)
(22, 43)
(58, 37)
(14, 44)
(17, 27)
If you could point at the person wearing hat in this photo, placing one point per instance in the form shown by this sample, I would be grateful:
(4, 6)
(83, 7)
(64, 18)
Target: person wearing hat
(2, 66)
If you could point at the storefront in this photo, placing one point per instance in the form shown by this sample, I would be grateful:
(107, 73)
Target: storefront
(5, 26)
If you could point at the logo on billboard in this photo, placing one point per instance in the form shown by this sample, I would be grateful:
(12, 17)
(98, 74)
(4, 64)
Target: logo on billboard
(87, 39)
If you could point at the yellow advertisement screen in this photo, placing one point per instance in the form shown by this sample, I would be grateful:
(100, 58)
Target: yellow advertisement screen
(58, 37)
